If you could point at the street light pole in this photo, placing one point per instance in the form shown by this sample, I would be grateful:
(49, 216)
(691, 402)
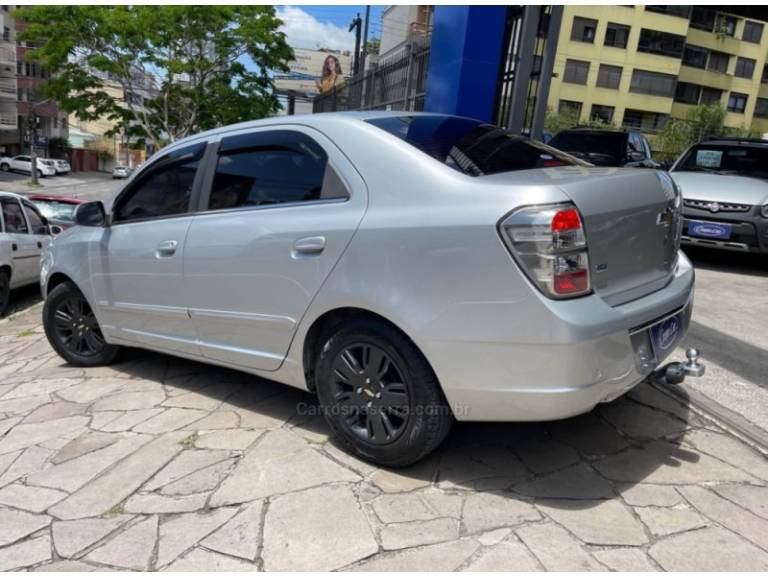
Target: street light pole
(33, 137)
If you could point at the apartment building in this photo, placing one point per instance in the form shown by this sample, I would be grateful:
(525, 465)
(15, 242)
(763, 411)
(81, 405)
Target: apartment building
(8, 86)
(637, 66)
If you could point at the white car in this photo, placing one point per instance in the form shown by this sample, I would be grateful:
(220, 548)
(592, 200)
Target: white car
(121, 172)
(61, 166)
(24, 233)
(409, 268)
(24, 164)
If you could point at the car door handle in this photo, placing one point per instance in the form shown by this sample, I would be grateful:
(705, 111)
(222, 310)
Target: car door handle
(166, 248)
(14, 247)
(309, 246)
(39, 244)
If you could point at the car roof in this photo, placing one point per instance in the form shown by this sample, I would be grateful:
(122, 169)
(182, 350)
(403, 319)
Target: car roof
(597, 130)
(312, 120)
(11, 195)
(736, 141)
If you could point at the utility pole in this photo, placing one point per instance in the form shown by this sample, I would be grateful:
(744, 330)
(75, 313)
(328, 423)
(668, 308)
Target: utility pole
(357, 23)
(365, 39)
(32, 141)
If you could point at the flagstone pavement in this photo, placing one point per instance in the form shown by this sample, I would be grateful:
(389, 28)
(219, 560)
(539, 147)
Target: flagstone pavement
(157, 463)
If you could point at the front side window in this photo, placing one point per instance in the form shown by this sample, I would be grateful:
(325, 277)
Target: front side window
(36, 222)
(583, 29)
(616, 35)
(745, 67)
(164, 189)
(472, 147)
(737, 102)
(271, 167)
(13, 216)
(645, 82)
(609, 76)
(576, 71)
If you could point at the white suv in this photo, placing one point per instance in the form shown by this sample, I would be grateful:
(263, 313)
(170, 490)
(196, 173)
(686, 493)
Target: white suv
(24, 164)
(24, 233)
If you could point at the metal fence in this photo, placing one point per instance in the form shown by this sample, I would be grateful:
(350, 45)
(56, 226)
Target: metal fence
(397, 83)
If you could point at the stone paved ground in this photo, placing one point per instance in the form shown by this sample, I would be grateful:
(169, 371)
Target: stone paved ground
(163, 464)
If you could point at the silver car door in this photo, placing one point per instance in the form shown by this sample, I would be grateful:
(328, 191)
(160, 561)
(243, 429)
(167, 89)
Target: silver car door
(24, 256)
(137, 276)
(283, 205)
(39, 234)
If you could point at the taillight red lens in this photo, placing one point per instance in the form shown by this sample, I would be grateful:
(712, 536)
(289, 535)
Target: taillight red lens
(572, 282)
(566, 220)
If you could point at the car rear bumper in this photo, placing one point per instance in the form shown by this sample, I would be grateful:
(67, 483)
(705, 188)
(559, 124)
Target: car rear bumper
(530, 372)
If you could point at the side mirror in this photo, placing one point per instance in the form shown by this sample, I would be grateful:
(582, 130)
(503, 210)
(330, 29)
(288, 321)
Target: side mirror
(55, 229)
(91, 214)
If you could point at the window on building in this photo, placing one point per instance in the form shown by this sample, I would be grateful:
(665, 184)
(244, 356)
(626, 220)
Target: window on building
(164, 189)
(6, 34)
(647, 121)
(710, 96)
(55, 122)
(609, 76)
(681, 11)
(64, 123)
(584, 29)
(703, 18)
(654, 83)
(662, 43)
(601, 113)
(569, 107)
(6, 8)
(764, 78)
(753, 32)
(266, 168)
(718, 62)
(576, 71)
(616, 35)
(686, 93)
(761, 107)
(19, 67)
(737, 102)
(26, 68)
(695, 56)
(745, 67)
(726, 25)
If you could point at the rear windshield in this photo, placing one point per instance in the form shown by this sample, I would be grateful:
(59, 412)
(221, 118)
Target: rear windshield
(591, 145)
(726, 159)
(472, 147)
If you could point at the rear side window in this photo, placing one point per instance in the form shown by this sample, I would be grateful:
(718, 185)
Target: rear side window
(592, 146)
(164, 189)
(13, 216)
(36, 221)
(472, 147)
(272, 167)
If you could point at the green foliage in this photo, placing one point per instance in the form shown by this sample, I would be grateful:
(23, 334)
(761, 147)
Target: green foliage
(554, 122)
(373, 45)
(701, 123)
(195, 54)
(58, 147)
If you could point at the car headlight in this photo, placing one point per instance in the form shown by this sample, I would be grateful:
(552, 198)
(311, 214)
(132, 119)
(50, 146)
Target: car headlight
(764, 211)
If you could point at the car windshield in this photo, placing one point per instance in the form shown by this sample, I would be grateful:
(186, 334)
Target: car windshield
(54, 210)
(609, 145)
(726, 159)
(472, 147)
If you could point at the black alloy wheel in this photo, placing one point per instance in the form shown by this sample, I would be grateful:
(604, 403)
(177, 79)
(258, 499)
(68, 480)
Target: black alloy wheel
(370, 392)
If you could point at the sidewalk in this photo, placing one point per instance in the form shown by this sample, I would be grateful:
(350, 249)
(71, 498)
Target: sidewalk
(20, 183)
(160, 463)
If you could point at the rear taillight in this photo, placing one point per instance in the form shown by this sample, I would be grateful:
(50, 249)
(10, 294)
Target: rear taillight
(549, 244)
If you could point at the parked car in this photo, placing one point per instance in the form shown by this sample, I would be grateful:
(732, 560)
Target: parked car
(724, 183)
(606, 147)
(61, 166)
(24, 233)
(121, 172)
(408, 268)
(24, 164)
(58, 210)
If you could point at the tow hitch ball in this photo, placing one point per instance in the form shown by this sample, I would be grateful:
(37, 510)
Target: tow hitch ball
(675, 372)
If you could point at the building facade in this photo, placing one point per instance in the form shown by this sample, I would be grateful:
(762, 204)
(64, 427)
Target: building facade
(637, 66)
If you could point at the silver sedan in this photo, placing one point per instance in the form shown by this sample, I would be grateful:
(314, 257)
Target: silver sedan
(411, 269)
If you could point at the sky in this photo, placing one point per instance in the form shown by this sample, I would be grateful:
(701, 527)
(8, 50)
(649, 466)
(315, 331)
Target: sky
(326, 26)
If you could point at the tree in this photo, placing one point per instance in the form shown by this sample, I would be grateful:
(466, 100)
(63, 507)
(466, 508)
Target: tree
(186, 61)
(373, 45)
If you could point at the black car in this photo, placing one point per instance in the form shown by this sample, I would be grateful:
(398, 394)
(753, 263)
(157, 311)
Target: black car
(605, 147)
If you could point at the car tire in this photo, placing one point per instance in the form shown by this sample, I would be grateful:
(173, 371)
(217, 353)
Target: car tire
(379, 395)
(40, 174)
(5, 167)
(72, 329)
(5, 291)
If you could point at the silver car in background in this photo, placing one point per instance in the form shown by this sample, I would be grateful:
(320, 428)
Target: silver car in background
(411, 269)
(724, 183)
